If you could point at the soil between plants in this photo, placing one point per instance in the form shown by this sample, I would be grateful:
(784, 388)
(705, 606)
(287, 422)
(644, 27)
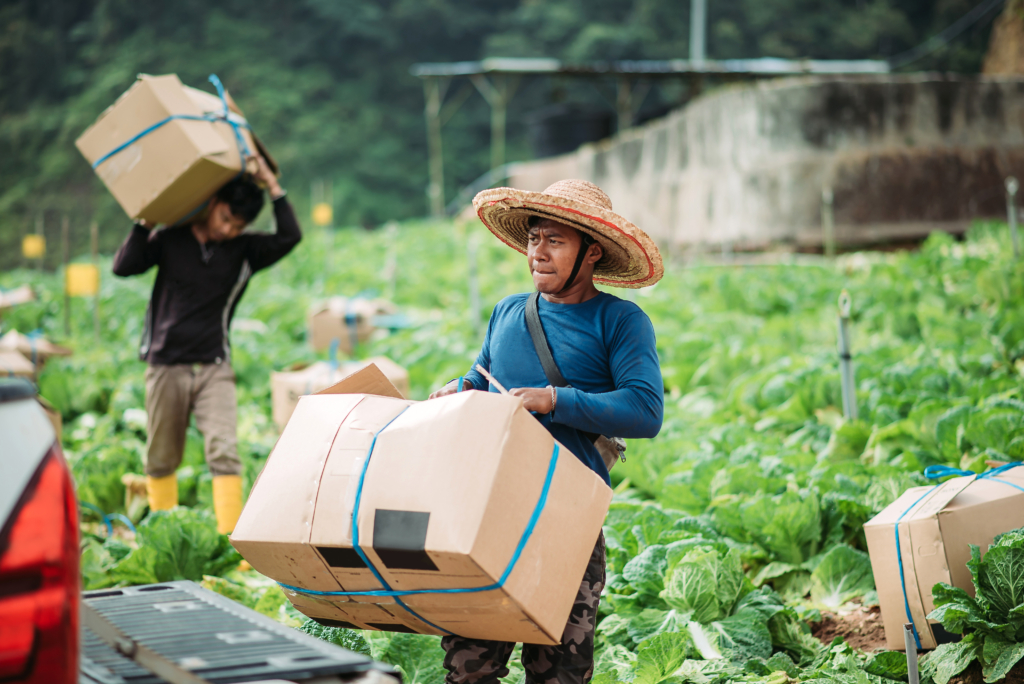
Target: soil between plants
(861, 628)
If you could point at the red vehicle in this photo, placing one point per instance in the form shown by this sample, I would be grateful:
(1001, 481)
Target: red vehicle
(39, 583)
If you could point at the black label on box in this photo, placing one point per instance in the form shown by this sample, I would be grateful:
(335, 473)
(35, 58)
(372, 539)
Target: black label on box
(341, 557)
(399, 539)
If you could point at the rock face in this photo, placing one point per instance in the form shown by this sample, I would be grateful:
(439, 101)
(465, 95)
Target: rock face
(1005, 54)
(746, 165)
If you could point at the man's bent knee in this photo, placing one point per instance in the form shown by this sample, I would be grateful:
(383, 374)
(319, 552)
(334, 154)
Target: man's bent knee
(475, 661)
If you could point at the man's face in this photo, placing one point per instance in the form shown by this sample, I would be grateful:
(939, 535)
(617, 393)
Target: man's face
(221, 224)
(551, 252)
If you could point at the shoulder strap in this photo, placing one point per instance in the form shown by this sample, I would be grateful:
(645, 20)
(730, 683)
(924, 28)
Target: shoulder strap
(540, 343)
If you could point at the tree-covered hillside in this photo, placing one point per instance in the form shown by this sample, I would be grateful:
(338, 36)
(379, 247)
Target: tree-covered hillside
(326, 83)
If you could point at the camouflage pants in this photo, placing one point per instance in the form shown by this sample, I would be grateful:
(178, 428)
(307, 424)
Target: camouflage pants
(477, 661)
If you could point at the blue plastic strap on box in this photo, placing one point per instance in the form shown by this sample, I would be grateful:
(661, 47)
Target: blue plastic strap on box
(224, 117)
(332, 354)
(934, 472)
(104, 518)
(458, 388)
(107, 519)
(388, 591)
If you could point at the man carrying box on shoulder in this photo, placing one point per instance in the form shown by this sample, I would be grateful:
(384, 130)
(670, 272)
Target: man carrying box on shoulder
(203, 267)
(583, 361)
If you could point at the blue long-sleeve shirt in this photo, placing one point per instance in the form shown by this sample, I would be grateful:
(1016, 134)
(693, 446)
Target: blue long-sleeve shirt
(604, 348)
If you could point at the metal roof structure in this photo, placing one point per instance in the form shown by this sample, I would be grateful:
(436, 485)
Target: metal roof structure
(497, 78)
(766, 66)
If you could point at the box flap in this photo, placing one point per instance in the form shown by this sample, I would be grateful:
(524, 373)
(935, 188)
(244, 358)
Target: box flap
(369, 380)
(937, 500)
(987, 508)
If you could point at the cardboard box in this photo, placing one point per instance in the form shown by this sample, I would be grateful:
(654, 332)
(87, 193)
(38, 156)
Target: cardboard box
(13, 364)
(287, 386)
(446, 500)
(934, 543)
(19, 295)
(349, 321)
(168, 173)
(35, 349)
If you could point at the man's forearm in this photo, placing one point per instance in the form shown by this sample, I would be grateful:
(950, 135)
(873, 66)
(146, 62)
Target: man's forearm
(134, 256)
(628, 412)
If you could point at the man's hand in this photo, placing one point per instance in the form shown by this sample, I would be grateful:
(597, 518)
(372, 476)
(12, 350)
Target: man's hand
(451, 388)
(534, 399)
(264, 177)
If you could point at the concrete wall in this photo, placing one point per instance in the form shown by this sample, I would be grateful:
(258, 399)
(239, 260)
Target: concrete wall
(746, 164)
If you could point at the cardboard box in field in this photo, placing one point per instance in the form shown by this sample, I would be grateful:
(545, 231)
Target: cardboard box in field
(449, 488)
(935, 534)
(19, 295)
(347, 320)
(169, 172)
(287, 386)
(35, 349)
(13, 364)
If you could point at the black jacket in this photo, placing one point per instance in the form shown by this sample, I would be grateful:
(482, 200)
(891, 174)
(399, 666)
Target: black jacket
(198, 287)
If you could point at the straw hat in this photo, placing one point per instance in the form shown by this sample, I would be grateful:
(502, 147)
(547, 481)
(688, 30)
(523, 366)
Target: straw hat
(631, 259)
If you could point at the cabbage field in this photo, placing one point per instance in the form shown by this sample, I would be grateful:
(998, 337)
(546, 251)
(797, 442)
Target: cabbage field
(735, 547)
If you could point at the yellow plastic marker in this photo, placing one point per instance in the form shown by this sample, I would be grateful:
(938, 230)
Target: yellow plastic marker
(33, 246)
(323, 214)
(82, 280)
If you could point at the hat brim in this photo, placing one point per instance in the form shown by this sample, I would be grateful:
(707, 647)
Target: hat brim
(631, 259)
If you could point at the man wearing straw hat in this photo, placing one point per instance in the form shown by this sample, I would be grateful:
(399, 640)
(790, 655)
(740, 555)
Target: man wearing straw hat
(605, 381)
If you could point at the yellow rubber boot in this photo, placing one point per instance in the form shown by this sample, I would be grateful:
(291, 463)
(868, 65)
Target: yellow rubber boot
(227, 501)
(162, 492)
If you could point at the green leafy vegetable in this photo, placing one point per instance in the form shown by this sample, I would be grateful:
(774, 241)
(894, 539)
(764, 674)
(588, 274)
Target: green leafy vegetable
(993, 622)
(182, 543)
(844, 573)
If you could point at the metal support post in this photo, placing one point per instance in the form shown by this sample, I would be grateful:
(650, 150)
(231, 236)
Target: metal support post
(846, 358)
(497, 95)
(391, 262)
(624, 104)
(828, 223)
(1011, 214)
(499, 114)
(913, 676)
(628, 101)
(65, 237)
(39, 232)
(94, 244)
(433, 90)
(698, 30)
(474, 283)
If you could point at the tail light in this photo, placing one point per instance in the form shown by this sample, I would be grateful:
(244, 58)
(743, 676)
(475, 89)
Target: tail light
(39, 583)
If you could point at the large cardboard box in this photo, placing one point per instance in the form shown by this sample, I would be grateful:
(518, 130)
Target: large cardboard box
(449, 488)
(13, 364)
(935, 534)
(19, 295)
(347, 320)
(35, 349)
(287, 386)
(167, 173)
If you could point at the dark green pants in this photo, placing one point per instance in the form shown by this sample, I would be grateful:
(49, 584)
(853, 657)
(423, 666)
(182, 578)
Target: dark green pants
(477, 661)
